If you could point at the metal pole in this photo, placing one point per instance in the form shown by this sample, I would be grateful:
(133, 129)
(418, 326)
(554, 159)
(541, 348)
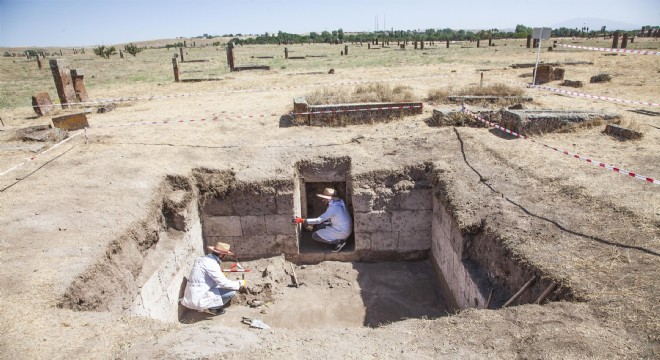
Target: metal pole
(538, 53)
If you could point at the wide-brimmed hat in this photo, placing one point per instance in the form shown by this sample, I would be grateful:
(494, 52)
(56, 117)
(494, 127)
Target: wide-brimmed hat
(220, 248)
(328, 193)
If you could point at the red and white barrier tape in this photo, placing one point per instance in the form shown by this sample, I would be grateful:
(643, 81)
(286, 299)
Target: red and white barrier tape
(565, 152)
(41, 153)
(165, 122)
(359, 109)
(606, 98)
(343, 83)
(642, 52)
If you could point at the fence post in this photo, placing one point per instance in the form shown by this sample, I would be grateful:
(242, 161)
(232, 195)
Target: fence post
(615, 40)
(175, 66)
(230, 56)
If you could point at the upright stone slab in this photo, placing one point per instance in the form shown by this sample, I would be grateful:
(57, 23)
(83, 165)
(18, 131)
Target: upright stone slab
(230, 56)
(71, 122)
(63, 82)
(77, 76)
(42, 104)
(543, 74)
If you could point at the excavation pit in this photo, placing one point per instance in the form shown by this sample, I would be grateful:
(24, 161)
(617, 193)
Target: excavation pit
(407, 257)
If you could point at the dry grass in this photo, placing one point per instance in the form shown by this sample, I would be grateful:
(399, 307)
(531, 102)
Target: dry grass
(362, 94)
(441, 95)
(491, 90)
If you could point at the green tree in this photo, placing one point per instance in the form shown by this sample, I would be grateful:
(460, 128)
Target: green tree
(105, 52)
(132, 49)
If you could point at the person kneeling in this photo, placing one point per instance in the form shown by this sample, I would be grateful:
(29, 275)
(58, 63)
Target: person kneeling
(335, 225)
(208, 289)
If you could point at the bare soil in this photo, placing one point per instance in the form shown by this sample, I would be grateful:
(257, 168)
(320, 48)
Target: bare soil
(589, 228)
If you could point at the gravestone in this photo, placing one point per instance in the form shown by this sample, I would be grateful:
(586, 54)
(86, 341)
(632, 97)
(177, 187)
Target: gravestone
(42, 104)
(63, 82)
(77, 76)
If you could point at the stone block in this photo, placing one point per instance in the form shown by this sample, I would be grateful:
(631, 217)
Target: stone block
(77, 76)
(386, 240)
(363, 200)
(414, 240)
(279, 225)
(222, 226)
(252, 201)
(255, 247)
(253, 225)
(217, 207)
(63, 82)
(362, 241)
(373, 221)
(416, 199)
(42, 104)
(287, 244)
(284, 202)
(71, 122)
(411, 220)
(543, 74)
(622, 133)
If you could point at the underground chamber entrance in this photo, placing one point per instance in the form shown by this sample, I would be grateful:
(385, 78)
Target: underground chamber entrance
(410, 257)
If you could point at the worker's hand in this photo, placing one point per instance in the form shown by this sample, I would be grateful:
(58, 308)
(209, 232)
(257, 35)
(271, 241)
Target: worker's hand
(243, 284)
(298, 220)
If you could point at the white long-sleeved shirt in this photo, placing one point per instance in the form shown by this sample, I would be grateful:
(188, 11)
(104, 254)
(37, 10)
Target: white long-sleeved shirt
(204, 284)
(341, 224)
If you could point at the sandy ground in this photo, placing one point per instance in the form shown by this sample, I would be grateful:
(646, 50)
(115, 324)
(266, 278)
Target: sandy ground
(595, 230)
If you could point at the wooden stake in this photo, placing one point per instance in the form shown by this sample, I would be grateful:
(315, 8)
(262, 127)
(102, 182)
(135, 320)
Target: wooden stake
(295, 278)
(490, 297)
(545, 294)
(514, 297)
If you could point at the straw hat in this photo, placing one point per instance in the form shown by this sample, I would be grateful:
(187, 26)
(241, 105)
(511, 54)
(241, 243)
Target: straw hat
(328, 193)
(220, 248)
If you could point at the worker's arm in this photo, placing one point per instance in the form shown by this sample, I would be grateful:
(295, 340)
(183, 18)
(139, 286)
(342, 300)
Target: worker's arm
(325, 216)
(214, 271)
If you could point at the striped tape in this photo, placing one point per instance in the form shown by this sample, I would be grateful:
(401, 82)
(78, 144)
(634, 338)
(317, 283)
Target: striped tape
(612, 50)
(343, 83)
(565, 152)
(606, 98)
(41, 153)
(359, 109)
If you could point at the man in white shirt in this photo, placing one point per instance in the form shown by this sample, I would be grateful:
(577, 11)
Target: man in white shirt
(335, 225)
(208, 289)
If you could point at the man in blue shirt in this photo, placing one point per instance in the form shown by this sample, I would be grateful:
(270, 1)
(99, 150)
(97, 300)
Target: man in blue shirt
(334, 225)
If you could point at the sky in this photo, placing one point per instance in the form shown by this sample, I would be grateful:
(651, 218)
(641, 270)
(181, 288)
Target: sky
(54, 23)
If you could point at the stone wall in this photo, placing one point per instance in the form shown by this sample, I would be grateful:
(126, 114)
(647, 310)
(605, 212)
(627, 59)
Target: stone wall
(255, 219)
(447, 253)
(392, 215)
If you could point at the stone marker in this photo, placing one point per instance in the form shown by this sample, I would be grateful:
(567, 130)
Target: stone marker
(71, 122)
(622, 133)
(63, 83)
(230, 56)
(571, 83)
(175, 67)
(345, 49)
(77, 76)
(624, 42)
(42, 104)
(615, 40)
(181, 52)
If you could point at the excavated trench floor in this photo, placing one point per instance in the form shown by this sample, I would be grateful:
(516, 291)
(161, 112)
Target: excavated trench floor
(333, 295)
